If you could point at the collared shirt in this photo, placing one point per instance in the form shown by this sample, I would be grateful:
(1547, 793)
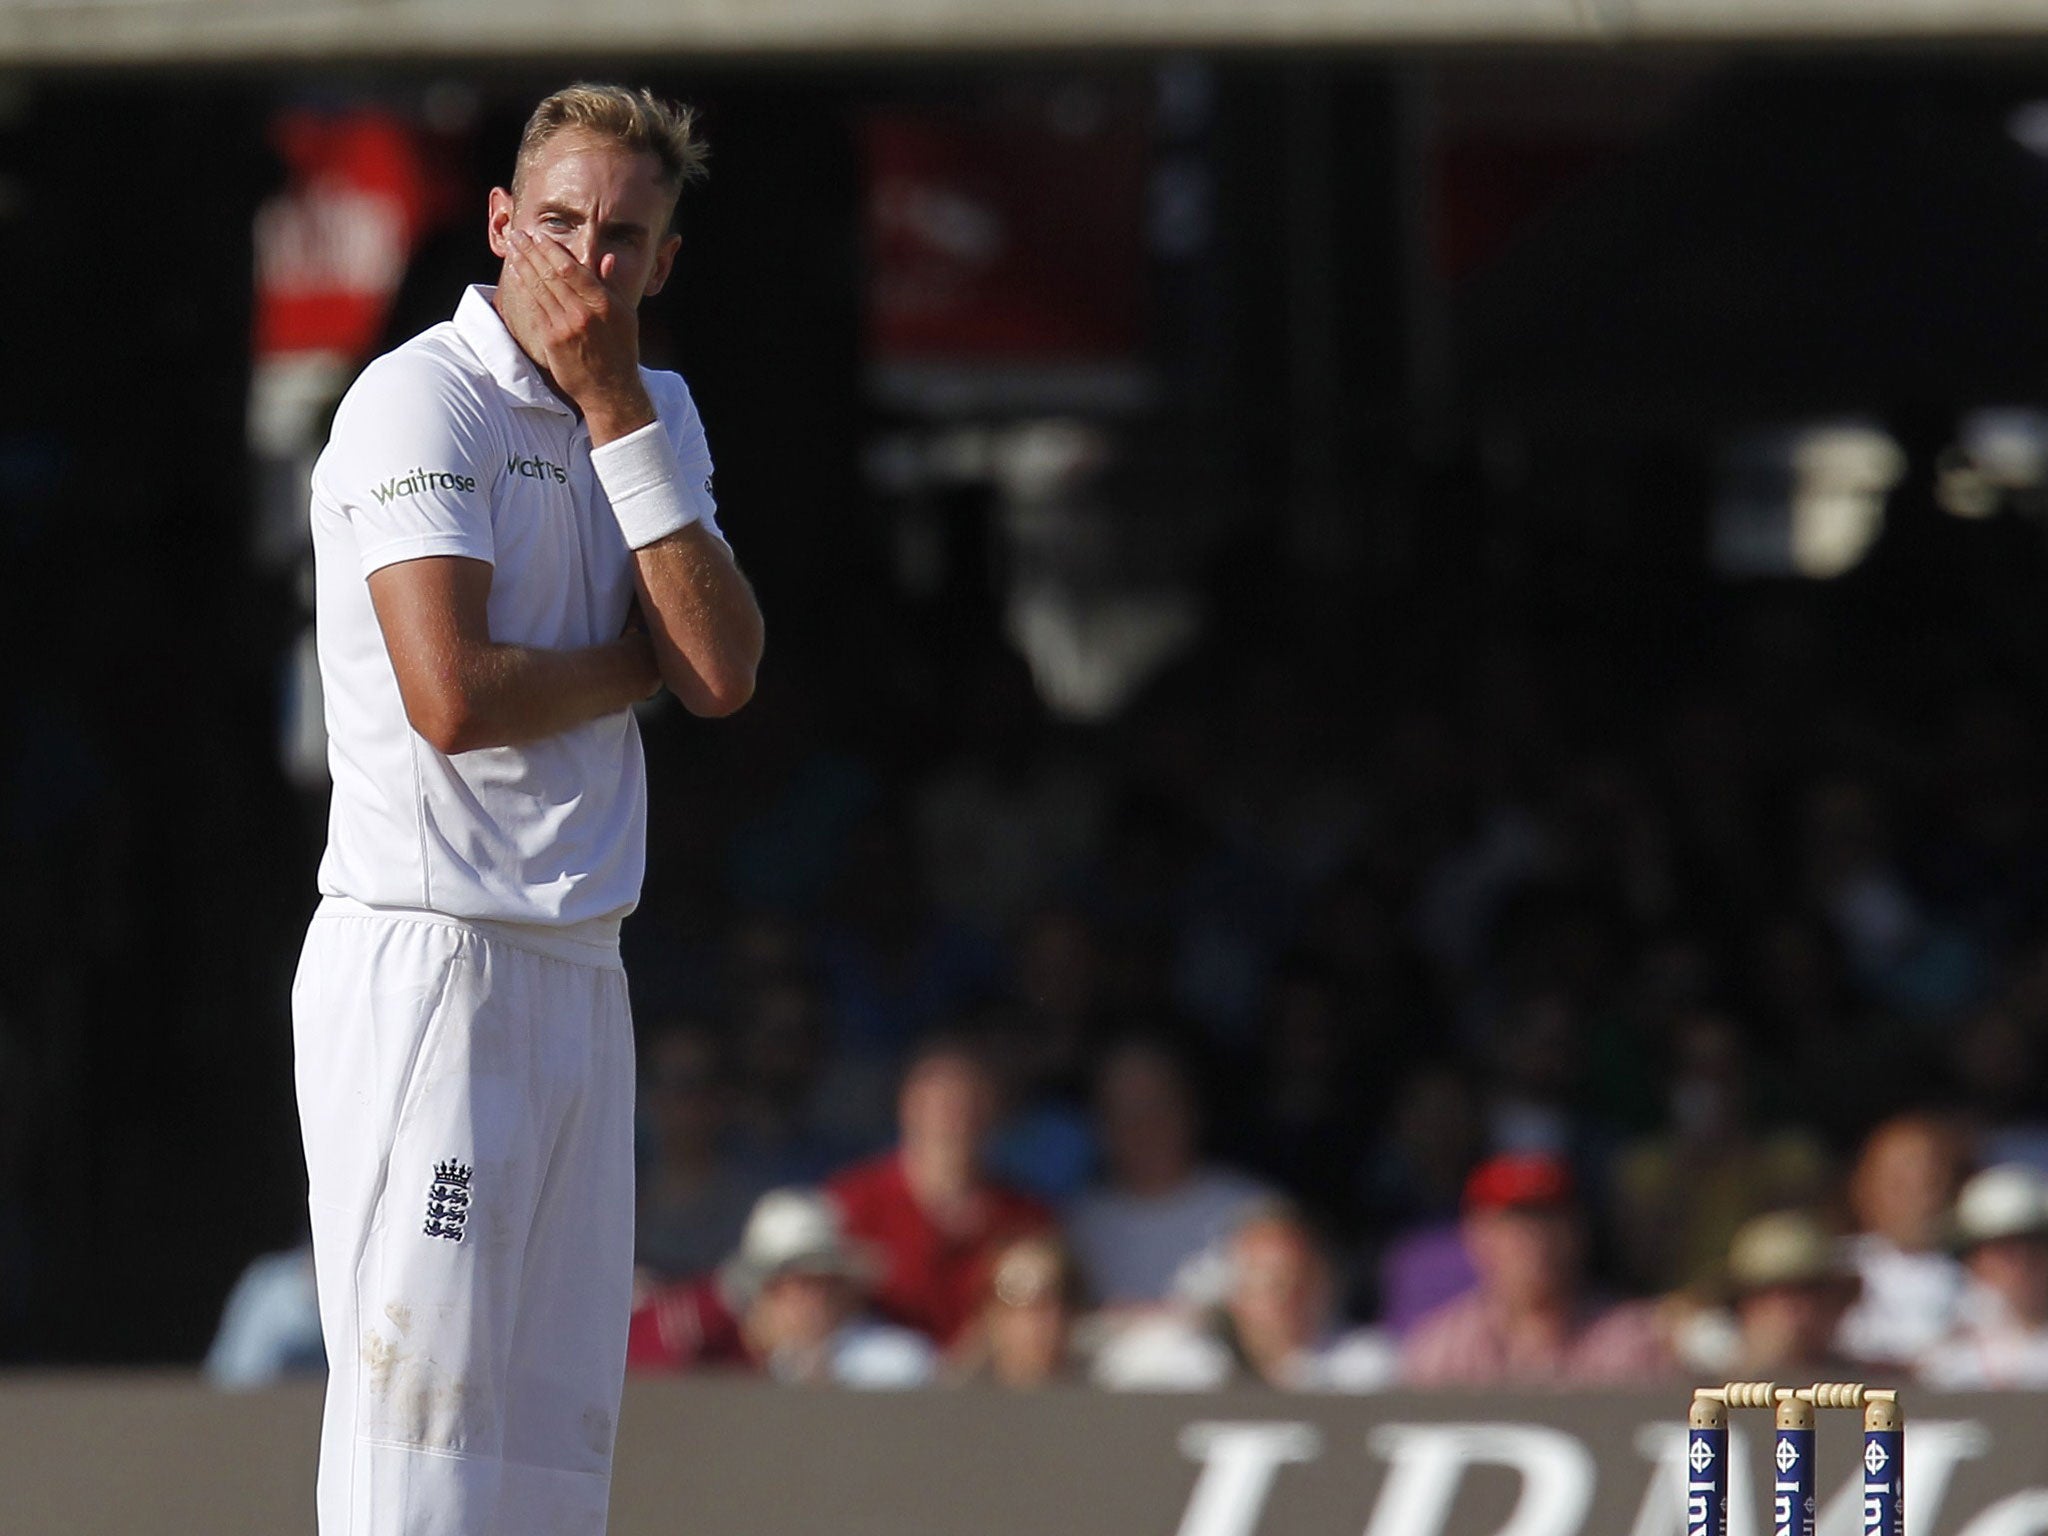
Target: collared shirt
(454, 444)
(1909, 1301)
(1463, 1343)
(1138, 1249)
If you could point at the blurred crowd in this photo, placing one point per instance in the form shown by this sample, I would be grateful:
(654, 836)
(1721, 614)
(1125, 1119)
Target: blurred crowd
(1299, 1030)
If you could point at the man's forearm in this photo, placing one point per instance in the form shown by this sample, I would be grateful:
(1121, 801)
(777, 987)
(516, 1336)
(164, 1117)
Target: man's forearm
(507, 694)
(704, 621)
(700, 610)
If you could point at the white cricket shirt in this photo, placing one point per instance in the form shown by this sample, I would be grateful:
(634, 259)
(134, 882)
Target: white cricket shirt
(453, 445)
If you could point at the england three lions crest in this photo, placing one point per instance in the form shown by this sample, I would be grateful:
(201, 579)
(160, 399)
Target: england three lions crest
(448, 1201)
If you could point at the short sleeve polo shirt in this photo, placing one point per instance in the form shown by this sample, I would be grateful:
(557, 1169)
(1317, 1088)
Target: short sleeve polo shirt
(453, 444)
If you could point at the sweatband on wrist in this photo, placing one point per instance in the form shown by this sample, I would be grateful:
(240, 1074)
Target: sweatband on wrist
(638, 473)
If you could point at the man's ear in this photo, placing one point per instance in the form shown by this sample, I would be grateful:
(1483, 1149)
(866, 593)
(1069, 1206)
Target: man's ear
(664, 260)
(498, 220)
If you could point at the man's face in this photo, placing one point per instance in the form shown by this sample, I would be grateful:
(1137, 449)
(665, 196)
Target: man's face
(1905, 1182)
(1281, 1294)
(948, 1101)
(1791, 1326)
(1145, 1121)
(798, 1311)
(602, 203)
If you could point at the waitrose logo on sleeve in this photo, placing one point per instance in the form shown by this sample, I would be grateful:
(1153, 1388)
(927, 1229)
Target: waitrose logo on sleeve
(418, 481)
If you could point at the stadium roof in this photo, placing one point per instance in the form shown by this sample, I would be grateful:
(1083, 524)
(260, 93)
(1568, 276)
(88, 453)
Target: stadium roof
(187, 31)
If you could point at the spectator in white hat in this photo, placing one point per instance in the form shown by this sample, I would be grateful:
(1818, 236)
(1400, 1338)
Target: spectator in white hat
(2001, 1230)
(800, 1290)
(1791, 1282)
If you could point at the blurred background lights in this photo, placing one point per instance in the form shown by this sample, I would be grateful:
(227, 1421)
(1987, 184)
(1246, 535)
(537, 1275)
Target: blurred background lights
(2028, 125)
(2000, 455)
(1806, 501)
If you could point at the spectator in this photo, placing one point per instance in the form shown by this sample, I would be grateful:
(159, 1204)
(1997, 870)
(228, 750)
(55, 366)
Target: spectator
(1161, 1207)
(270, 1329)
(1046, 1144)
(694, 1199)
(1790, 1282)
(1024, 1333)
(1414, 1179)
(1680, 1197)
(929, 1208)
(1531, 1320)
(1904, 1183)
(2001, 1226)
(791, 1304)
(1275, 1326)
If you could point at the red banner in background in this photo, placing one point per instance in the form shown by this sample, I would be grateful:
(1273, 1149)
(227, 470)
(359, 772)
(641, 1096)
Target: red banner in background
(1003, 243)
(363, 187)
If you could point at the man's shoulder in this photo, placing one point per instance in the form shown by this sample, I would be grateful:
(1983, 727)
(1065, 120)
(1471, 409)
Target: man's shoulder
(1461, 1315)
(667, 389)
(1217, 1192)
(673, 403)
(1623, 1341)
(872, 1181)
(1453, 1342)
(1629, 1317)
(1018, 1210)
(436, 362)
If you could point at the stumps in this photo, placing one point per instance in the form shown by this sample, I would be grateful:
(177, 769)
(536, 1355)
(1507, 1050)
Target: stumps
(1706, 1461)
(1884, 1466)
(1792, 1454)
(1792, 1481)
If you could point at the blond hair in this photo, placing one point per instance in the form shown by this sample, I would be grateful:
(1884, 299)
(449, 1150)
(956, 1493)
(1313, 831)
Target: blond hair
(633, 117)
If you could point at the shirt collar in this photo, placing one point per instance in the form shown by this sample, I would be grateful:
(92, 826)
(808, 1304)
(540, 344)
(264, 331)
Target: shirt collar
(478, 323)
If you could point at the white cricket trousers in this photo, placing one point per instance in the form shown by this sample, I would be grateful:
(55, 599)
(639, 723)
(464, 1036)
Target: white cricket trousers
(467, 1106)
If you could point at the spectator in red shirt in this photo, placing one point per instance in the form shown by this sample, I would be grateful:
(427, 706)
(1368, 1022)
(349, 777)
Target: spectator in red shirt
(929, 1208)
(1531, 1320)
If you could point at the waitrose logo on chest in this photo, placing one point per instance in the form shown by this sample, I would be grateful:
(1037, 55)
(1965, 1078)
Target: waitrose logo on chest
(537, 469)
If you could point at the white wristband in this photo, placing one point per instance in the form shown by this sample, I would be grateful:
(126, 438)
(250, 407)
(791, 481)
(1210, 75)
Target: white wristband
(638, 473)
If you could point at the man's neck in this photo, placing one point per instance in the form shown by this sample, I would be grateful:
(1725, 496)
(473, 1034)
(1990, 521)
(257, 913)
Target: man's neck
(539, 367)
(940, 1180)
(1156, 1183)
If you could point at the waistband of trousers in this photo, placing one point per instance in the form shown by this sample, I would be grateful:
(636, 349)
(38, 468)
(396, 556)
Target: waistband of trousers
(593, 942)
